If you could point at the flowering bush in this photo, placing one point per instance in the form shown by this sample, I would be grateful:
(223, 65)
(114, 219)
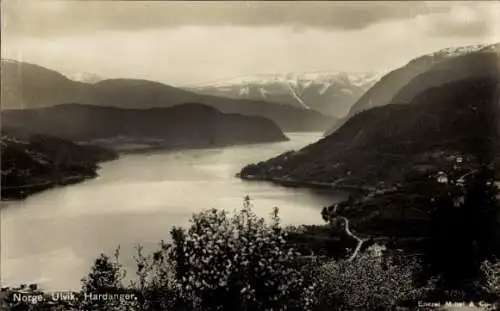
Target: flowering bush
(225, 262)
(371, 282)
(489, 282)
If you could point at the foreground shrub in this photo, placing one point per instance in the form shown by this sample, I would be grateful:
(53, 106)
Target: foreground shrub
(156, 285)
(234, 262)
(489, 282)
(370, 282)
(105, 278)
(221, 262)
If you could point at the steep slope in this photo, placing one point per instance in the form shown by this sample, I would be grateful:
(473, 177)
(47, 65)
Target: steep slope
(182, 126)
(385, 145)
(383, 92)
(332, 93)
(475, 65)
(34, 162)
(447, 65)
(30, 86)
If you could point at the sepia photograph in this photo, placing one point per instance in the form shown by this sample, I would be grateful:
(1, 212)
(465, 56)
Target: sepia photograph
(250, 155)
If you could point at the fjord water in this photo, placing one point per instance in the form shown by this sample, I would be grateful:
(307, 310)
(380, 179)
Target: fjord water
(52, 237)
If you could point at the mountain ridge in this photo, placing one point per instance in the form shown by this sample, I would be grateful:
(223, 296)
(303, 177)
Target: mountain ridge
(421, 64)
(384, 91)
(190, 125)
(27, 85)
(331, 93)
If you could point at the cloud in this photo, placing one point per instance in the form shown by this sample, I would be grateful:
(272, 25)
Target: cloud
(53, 18)
(480, 19)
(186, 47)
(191, 55)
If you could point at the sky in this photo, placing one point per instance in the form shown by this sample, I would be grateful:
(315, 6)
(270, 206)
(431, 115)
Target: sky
(188, 42)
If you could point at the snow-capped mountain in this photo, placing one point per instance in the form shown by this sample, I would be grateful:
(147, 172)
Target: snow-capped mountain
(425, 61)
(86, 77)
(467, 49)
(382, 93)
(433, 69)
(331, 93)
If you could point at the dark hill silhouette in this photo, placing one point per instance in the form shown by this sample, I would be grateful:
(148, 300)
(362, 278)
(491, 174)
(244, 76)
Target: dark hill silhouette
(183, 126)
(385, 145)
(34, 162)
(26, 86)
(474, 65)
(447, 65)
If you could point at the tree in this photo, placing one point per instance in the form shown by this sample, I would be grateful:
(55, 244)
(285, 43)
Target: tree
(156, 285)
(105, 278)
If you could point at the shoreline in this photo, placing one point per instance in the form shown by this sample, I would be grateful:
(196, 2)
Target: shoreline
(31, 189)
(302, 184)
(158, 148)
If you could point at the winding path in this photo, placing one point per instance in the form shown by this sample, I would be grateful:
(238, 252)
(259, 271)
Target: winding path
(349, 233)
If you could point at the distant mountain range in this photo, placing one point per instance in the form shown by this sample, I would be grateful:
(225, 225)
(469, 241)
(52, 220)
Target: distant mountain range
(450, 108)
(34, 162)
(181, 126)
(86, 77)
(332, 93)
(446, 65)
(27, 86)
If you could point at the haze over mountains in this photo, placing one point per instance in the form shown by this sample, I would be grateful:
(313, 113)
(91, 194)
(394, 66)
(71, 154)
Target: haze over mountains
(332, 93)
(30, 86)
